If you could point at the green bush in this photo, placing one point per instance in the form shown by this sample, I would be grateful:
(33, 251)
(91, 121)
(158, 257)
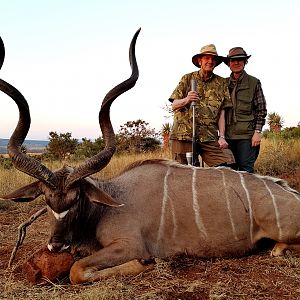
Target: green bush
(5, 162)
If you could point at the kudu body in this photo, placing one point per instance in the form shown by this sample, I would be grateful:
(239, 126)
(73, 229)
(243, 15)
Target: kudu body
(154, 208)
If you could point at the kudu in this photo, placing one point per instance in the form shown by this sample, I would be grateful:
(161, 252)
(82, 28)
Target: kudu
(154, 208)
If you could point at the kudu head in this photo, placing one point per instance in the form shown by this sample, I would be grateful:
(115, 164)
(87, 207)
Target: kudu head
(64, 188)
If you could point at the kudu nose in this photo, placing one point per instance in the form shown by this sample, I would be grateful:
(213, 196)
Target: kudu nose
(57, 247)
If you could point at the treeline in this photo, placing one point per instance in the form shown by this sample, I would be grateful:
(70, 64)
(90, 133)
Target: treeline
(132, 137)
(275, 122)
(286, 133)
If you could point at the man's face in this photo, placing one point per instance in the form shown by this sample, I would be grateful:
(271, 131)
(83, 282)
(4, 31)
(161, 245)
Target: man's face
(237, 65)
(207, 62)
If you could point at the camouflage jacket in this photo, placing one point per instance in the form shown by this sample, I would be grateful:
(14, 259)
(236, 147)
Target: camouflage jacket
(213, 97)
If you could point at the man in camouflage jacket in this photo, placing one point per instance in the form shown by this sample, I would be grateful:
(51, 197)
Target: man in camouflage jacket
(211, 97)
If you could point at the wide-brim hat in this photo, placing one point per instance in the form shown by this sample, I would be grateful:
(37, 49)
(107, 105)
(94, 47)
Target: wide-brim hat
(207, 50)
(236, 52)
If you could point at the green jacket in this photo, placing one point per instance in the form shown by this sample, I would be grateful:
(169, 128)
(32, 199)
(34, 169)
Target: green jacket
(240, 119)
(214, 96)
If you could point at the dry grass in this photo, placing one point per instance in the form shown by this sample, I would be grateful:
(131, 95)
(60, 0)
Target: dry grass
(118, 163)
(257, 276)
(278, 156)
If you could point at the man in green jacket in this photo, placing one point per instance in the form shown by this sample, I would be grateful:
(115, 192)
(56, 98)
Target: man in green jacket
(244, 121)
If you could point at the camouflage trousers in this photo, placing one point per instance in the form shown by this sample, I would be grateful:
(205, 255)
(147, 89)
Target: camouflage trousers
(210, 152)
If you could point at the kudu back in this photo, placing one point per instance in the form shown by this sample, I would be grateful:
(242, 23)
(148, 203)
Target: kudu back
(154, 208)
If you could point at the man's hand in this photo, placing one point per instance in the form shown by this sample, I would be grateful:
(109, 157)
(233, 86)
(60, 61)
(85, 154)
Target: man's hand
(256, 139)
(180, 103)
(191, 96)
(222, 142)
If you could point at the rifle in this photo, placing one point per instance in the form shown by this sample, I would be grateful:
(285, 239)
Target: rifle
(193, 104)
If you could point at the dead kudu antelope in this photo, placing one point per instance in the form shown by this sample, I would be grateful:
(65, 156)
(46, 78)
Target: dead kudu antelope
(154, 208)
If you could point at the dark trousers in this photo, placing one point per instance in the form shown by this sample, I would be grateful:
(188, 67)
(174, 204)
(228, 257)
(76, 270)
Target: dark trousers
(245, 155)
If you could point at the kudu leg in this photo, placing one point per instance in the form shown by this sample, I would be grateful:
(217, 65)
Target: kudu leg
(133, 267)
(117, 258)
(281, 248)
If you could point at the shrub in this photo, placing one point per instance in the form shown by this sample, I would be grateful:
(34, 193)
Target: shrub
(278, 156)
(5, 162)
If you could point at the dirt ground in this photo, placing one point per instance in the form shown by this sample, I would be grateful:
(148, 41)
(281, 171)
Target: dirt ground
(254, 276)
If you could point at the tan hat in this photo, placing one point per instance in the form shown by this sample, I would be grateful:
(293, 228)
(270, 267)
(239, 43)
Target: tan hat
(236, 52)
(207, 50)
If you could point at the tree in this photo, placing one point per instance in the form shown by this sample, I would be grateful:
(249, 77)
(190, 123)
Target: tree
(87, 148)
(149, 144)
(291, 133)
(166, 129)
(6, 162)
(136, 136)
(275, 121)
(61, 145)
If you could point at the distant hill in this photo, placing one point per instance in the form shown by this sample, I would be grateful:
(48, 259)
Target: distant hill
(33, 146)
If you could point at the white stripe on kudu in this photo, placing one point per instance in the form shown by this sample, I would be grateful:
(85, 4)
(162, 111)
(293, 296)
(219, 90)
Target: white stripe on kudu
(291, 191)
(228, 206)
(164, 203)
(196, 207)
(249, 203)
(173, 218)
(275, 208)
(282, 184)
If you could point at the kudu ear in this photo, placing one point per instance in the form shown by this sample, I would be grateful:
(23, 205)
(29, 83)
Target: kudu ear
(98, 196)
(26, 193)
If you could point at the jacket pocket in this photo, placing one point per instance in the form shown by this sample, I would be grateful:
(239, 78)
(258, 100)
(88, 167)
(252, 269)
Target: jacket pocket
(244, 104)
(243, 128)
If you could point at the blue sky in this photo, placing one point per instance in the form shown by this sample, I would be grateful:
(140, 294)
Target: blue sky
(64, 56)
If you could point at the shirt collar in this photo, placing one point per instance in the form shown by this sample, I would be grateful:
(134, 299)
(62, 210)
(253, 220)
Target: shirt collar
(209, 79)
(232, 79)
